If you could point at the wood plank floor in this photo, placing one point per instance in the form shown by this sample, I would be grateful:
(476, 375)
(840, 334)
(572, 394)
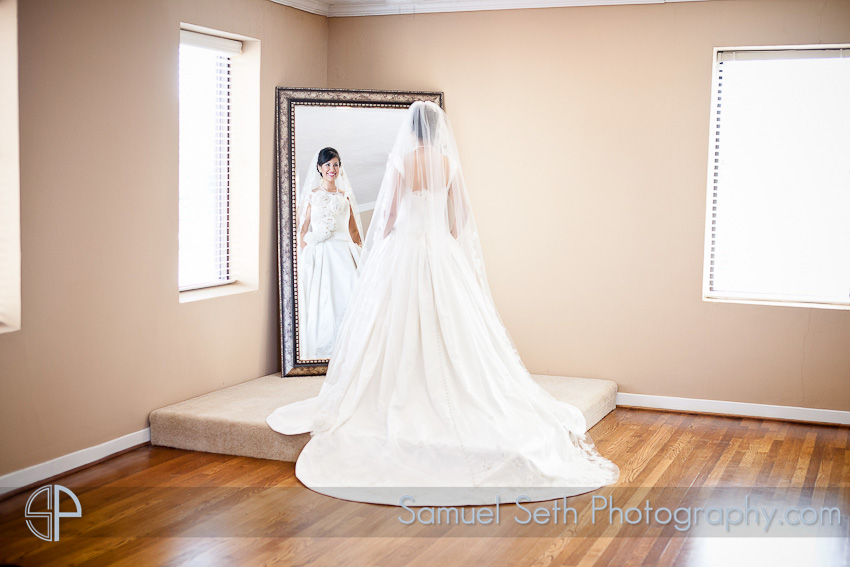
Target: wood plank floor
(158, 506)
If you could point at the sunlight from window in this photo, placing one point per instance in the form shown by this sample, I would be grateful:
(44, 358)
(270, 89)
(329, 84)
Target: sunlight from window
(204, 156)
(783, 183)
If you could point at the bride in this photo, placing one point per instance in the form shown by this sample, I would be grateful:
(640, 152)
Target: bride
(329, 230)
(426, 400)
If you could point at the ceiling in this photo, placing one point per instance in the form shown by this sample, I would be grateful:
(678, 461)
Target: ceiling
(343, 8)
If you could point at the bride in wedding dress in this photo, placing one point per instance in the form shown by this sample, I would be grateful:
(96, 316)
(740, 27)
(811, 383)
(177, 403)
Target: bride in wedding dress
(425, 394)
(329, 241)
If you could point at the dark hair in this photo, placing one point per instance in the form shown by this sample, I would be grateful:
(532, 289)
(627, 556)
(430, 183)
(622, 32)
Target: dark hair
(424, 122)
(327, 155)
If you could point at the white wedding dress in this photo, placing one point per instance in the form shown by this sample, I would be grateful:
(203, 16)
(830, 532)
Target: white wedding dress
(327, 270)
(425, 394)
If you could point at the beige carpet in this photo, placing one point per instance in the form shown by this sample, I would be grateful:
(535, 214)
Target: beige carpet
(232, 421)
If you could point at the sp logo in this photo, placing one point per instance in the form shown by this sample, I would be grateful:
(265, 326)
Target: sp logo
(51, 512)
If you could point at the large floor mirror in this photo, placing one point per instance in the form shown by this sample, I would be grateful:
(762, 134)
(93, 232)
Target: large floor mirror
(324, 208)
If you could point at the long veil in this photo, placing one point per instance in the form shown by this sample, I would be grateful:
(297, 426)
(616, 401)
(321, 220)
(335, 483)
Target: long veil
(424, 159)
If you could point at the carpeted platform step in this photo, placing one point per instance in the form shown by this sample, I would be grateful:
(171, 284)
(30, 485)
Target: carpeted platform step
(232, 421)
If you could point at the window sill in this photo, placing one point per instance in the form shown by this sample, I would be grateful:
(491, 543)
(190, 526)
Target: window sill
(234, 288)
(839, 306)
(4, 328)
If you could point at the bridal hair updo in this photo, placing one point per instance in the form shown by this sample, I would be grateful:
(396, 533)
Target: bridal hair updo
(326, 155)
(424, 122)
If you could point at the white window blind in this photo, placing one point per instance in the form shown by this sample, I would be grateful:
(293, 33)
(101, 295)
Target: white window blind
(204, 160)
(779, 192)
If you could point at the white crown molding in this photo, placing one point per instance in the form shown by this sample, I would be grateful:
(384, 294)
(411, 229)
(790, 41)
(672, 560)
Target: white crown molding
(65, 463)
(312, 6)
(720, 407)
(387, 9)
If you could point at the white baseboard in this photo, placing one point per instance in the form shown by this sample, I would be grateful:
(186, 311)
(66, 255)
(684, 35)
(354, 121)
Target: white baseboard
(65, 463)
(734, 408)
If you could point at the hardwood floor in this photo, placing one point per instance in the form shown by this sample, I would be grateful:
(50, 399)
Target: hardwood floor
(159, 506)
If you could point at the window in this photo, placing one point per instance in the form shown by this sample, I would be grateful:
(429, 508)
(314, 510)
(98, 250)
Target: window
(778, 209)
(205, 159)
(10, 180)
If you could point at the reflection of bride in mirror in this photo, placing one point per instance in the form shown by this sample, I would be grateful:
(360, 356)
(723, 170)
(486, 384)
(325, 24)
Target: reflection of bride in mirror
(329, 243)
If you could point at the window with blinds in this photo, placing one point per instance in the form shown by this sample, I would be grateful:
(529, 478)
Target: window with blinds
(778, 209)
(10, 173)
(204, 159)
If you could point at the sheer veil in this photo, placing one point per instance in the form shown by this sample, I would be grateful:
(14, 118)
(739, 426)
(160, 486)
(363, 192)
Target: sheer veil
(311, 179)
(424, 162)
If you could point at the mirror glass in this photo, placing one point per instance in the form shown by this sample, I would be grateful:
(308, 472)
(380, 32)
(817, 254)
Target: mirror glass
(328, 234)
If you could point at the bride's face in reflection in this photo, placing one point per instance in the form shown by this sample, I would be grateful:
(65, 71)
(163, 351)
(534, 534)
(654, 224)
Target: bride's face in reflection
(329, 171)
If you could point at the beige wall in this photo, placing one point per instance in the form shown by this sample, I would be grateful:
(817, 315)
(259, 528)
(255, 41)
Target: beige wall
(583, 133)
(104, 339)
